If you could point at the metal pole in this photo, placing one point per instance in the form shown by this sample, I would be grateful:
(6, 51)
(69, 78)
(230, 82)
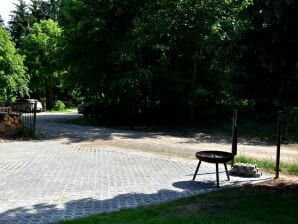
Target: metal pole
(234, 135)
(34, 118)
(277, 166)
(217, 176)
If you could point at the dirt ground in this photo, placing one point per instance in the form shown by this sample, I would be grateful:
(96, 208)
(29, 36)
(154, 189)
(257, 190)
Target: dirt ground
(178, 145)
(185, 147)
(281, 185)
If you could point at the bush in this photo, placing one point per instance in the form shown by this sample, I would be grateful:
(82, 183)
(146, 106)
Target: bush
(58, 105)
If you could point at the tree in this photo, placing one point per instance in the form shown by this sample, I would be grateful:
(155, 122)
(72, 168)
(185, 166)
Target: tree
(19, 22)
(39, 10)
(173, 38)
(186, 56)
(43, 10)
(13, 77)
(92, 41)
(1, 21)
(55, 8)
(264, 58)
(141, 55)
(40, 47)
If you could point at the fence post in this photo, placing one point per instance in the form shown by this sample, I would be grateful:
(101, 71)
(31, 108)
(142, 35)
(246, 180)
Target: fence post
(234, 135)
(279, 126)
(34, 118)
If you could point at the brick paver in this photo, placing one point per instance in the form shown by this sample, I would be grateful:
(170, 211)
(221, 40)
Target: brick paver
(45, 181)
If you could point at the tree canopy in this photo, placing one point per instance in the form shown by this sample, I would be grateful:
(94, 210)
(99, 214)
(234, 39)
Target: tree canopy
(149, 56)
(264, 55)
(13, 77)
(19, 22)
(40, 47)
(171, 59)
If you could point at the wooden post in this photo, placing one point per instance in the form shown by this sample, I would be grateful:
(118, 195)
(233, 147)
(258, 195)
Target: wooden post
(277, 166)
(234, 135)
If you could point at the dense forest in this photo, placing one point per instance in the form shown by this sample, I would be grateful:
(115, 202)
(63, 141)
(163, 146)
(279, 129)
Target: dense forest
(179, 60)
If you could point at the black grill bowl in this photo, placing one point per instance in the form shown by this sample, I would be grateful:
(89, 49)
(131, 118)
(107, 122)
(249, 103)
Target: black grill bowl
(214, 156)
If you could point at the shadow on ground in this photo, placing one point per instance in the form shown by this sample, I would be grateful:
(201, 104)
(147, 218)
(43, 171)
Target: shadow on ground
(49, 213)
(56, 126)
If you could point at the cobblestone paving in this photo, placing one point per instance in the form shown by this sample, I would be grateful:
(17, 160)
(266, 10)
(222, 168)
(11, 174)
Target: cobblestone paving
(46, 181)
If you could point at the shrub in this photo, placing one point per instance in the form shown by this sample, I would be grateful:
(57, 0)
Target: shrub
(58, 105)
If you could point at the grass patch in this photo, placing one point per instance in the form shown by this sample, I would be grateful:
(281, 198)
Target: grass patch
(293, 168)
(233, 206)
(85, 121)
(269, 165)
(63, 110)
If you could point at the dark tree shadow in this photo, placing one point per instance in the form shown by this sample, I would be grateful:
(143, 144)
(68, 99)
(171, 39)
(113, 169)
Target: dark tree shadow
(57, 126)
(51, 213)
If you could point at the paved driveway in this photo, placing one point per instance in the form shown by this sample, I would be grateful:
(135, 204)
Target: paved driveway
(57, 178)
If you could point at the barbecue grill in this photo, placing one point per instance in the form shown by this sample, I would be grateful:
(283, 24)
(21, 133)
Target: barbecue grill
(214, 157)
(219, 156)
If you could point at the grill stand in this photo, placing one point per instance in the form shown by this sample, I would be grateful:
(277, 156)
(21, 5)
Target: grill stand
(220, 156)
(217, 172)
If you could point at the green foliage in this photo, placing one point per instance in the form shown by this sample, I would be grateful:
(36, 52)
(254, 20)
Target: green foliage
(39, 10)
(13, 77)
(41, 48)
(150, 59)
(43, 10)
(263, 60)
(58, 105)
(269, 165)
(19, 23)
(163, 59)
(266, 164)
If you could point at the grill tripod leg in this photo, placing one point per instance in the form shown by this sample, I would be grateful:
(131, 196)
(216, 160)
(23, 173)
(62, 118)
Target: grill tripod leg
(197, 169)
(227, 171)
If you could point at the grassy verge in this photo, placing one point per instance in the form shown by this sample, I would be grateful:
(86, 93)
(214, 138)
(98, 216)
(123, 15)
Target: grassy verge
(86, 121)
(269, 165)
(64, 110)
(244, 205)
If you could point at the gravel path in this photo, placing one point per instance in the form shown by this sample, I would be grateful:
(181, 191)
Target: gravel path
(78, 171)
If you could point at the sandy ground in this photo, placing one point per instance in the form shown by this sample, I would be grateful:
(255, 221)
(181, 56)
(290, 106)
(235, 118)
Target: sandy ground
(187, 146)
